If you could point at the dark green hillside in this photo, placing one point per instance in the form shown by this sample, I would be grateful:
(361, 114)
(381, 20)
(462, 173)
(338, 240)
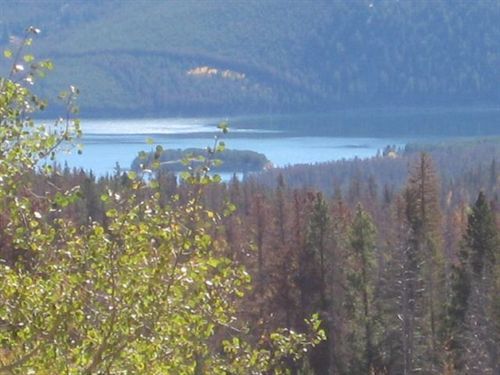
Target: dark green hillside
(140, 57)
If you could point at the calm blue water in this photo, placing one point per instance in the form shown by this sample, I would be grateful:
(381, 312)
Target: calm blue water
(108, 142)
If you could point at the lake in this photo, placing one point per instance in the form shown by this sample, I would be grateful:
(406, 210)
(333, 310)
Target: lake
(108, 142)
(284, 139)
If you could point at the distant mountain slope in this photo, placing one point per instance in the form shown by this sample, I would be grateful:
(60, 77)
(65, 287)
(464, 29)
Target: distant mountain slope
(141, 57)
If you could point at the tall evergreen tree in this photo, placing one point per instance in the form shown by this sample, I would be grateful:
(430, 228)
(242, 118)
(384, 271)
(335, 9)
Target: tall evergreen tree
(361, 276)
(481, 238)
(313, 278)
(455, 315)
(424, 267)
(482, 247)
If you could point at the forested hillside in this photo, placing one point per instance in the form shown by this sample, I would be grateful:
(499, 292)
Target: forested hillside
(186, 57)
(465, 167)
(398, 255)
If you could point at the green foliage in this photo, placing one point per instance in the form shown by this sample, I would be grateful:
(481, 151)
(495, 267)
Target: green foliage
(424, 278)
(148, 290)
(314, 277)
(470, 332)
(482, 239)
(362, 237)
(456, 311)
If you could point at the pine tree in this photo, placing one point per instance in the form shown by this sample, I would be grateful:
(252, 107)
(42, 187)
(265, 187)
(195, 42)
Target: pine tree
(456, 312)
(481, 238)
(362, 243)
(481, 248)
(340, 222)
(314, 278)
(261, 226)
(424, 267)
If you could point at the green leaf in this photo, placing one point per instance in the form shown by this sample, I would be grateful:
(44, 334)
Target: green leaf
(112, 213)
(46, 64)
(155, 165)
(220, 147)
(224, 127)
(7, 53)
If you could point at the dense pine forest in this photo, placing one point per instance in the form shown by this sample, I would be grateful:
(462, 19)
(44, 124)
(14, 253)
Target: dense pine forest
(397, 253)
(404, 273)
(209, 57)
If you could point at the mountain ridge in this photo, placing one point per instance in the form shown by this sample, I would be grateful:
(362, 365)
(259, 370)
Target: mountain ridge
(133, 57)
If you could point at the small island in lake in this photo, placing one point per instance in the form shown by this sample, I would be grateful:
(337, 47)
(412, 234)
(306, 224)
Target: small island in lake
(236, 161)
